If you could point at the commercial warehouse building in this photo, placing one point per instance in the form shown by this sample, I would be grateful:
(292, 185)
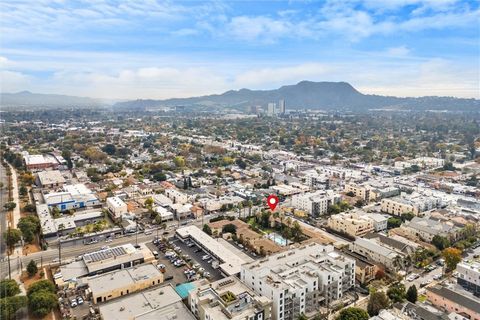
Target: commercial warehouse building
(102, 261)
(73, 197)
(50, 179)
(229, 257)
(118, 283)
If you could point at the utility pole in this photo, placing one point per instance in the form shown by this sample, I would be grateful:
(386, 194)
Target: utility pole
(136, 231)
(9, 268)
(59, 252)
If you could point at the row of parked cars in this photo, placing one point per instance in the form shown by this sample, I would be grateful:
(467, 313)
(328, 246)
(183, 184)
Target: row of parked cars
(76, 301)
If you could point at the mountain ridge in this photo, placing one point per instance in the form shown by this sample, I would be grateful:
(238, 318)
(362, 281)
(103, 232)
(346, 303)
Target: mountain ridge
(311, 95)
(303, 95)
(28, 99)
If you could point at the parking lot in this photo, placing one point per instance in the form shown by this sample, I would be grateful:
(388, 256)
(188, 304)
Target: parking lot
(170, 269)
(197, 258)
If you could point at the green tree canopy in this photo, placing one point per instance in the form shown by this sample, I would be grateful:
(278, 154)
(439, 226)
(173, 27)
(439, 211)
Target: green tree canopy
(378, 300)
(229, 228)
(207, 229)
(412, 294)
(9, 288)
(10, 305)
(393, 222)
(32, 268)
(9, 206)
(30, 226)
(396, 292)
(440, 242)
(109, 149)
(42, 285)
(12, 236)
(353, 314)
(42, 302)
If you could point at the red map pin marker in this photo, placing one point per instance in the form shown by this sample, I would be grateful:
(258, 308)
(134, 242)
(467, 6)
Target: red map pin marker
(272, 201)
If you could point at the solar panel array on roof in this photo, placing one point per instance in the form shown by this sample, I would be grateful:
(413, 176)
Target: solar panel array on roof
(104, 254)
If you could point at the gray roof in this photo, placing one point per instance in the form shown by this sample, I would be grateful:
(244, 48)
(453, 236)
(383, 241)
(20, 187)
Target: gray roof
(431, 226)
(417, 312)
(456, 297)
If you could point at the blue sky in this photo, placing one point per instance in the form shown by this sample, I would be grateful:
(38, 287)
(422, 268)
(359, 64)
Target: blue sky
(161, 49)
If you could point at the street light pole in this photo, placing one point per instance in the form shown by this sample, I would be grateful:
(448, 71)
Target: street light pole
(60, 251)
(136, 231)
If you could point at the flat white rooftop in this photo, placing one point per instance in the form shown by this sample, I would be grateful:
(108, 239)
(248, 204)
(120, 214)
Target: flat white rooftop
(230, 257)
(159, 304)
(107, 282)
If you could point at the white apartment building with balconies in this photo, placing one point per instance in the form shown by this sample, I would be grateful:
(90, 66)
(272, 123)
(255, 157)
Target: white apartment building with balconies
(300, 280)
(315, 203)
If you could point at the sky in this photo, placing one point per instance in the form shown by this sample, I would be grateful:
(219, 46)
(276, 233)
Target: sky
(155, 49)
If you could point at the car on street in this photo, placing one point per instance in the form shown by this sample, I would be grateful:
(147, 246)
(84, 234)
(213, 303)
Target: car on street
(206, 257)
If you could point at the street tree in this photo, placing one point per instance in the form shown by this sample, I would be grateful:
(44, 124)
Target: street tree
(12, 237)
(452, 257)
(9, 206)
(10, 305)
(32, 268)
(9, 288)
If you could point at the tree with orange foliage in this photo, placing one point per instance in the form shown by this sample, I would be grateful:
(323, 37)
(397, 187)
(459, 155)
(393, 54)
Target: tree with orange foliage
(452, 257)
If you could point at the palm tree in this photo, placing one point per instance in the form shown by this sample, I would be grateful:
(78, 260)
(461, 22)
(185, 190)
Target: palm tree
(249, 205)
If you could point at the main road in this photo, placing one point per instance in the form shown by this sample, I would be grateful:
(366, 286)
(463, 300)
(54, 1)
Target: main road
(3, 212)
(53, 254)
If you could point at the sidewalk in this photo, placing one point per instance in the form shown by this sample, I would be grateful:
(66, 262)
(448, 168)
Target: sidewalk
(16, 211)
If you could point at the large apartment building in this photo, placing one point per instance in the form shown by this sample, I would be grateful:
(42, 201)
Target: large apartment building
(469, 275)
(415, 204)
(315, 203)
(351, 223)
(226, 299)
(300, 280)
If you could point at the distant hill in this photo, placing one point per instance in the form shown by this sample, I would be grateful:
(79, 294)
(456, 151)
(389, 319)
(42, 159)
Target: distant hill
(28, 99)
(311, 95)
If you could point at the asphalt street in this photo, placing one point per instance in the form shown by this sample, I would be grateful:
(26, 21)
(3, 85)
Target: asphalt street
(3, 212)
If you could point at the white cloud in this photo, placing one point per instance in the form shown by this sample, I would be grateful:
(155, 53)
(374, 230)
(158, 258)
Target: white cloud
(401, 51)
(352, 19)
(406, 77)
(12, 81)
